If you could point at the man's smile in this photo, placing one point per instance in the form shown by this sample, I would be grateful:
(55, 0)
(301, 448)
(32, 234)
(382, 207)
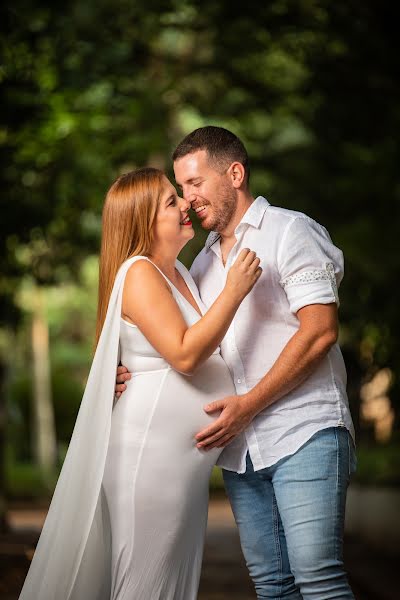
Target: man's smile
(200, 209)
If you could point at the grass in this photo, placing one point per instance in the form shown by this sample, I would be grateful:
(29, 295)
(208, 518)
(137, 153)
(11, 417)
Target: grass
(28, 481)
(377, 465)
(216, 481)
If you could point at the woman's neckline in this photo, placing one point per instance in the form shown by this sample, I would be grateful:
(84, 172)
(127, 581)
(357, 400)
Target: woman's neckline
(199, 311)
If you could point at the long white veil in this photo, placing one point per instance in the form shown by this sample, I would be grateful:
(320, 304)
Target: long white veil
(73, 556)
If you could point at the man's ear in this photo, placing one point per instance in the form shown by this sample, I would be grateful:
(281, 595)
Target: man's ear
(237, 174)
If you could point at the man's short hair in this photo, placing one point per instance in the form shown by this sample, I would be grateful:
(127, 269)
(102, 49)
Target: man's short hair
(222, 146)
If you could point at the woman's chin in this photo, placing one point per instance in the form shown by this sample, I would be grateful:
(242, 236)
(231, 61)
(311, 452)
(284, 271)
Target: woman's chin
(187, 236)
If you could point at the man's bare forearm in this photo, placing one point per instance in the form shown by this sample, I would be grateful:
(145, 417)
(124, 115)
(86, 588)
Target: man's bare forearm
(299, 358)
(318, 329)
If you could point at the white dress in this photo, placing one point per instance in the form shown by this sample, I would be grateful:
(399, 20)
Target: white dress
(128, 516)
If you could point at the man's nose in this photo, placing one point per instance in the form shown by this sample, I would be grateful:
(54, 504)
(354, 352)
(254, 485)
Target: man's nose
(189, 196)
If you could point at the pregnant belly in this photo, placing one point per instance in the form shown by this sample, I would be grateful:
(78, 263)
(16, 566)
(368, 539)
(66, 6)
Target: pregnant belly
(185, 396)
(169, 406)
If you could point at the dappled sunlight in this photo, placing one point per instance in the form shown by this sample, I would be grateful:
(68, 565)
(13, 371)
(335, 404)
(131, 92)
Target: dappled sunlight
(376, 407)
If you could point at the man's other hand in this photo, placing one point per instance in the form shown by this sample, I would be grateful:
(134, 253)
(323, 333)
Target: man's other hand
(122, 376)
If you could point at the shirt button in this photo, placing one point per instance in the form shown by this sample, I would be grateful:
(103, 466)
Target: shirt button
(239, 381)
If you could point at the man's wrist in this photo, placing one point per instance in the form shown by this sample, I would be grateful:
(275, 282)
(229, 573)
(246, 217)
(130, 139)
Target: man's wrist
(249, 404)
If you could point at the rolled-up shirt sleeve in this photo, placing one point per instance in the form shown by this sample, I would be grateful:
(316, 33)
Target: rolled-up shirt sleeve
(310, 265)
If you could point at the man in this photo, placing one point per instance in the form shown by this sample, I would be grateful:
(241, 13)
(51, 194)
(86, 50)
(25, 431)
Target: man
(289, 429)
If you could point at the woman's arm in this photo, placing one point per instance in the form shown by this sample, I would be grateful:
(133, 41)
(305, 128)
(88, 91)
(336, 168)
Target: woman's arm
(149, 304)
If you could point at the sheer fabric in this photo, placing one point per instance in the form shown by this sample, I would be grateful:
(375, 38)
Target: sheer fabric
(128, 516)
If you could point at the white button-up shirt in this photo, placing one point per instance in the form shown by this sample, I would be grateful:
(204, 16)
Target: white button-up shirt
(301, 266)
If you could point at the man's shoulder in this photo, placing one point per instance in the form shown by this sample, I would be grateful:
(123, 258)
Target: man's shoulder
(285, 215)
(282, 218)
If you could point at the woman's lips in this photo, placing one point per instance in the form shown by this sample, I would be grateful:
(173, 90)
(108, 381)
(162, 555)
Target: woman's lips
(186, 221)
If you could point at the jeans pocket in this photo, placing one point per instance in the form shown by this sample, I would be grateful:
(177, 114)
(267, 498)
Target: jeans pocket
(315, 460)
(310, 472)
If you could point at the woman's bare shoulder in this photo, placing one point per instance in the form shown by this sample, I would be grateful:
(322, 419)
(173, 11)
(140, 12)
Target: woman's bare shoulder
(143, 274)
(148, 301)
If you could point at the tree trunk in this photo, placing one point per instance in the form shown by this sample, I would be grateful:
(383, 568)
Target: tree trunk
(3, 504)
(44, 437)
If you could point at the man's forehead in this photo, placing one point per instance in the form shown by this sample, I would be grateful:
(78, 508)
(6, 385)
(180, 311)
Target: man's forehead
(191, 166)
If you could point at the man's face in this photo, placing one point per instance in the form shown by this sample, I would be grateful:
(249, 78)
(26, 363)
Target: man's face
(211, 193)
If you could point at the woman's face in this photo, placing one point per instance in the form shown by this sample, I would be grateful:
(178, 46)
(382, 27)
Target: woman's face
(172, 226)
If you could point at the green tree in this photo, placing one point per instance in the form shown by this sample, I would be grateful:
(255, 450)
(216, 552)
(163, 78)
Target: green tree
(92, 89)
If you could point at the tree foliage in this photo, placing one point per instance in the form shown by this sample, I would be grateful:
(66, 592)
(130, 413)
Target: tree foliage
(91, 89)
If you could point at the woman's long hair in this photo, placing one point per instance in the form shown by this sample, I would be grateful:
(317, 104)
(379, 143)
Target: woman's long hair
(127, 228)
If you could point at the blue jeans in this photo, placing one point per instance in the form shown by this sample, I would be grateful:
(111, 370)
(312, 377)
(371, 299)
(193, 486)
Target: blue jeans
(291, 519)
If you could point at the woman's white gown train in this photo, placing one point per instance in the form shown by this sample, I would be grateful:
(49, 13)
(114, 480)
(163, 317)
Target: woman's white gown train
(128, 517)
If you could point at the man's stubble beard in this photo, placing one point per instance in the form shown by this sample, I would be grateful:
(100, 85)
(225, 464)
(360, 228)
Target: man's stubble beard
(223, 209)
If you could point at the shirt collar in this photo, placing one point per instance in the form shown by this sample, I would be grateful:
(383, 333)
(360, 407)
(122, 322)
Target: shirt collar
(253, 216)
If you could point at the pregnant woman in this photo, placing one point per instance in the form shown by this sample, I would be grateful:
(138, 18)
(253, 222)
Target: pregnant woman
(128, 516)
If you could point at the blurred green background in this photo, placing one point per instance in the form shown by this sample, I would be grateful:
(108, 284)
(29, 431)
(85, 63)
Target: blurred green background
(92, 89)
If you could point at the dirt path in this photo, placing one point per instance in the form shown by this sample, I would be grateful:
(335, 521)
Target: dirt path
(224, 574)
